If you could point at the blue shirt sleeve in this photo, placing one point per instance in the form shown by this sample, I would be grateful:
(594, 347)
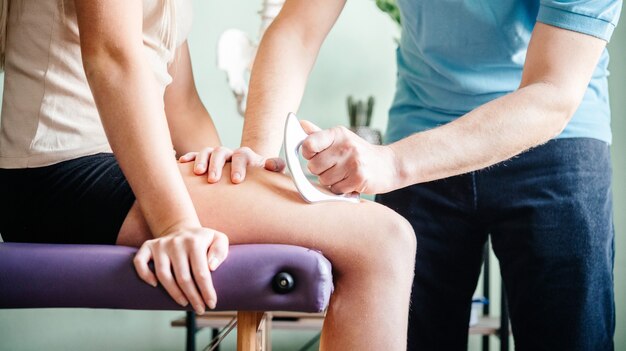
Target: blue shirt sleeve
(597, 18)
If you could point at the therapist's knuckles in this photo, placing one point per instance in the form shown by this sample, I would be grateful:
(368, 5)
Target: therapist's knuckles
(316, 167)
(328, 180)
(342, 188)
(309, 147)
(350, 145)
(245, 152)
(314, 143)
(356, 182)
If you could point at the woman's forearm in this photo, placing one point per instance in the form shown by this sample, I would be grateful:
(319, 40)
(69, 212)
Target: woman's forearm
(130, 105)
(135, 124)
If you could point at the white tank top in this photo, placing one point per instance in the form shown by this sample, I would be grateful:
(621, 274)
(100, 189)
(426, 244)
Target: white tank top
(48, 112)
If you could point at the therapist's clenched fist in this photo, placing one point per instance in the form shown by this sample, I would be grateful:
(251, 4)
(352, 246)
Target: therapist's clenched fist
(346, 163)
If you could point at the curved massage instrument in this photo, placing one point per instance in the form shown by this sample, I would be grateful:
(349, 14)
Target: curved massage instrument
(294, 136)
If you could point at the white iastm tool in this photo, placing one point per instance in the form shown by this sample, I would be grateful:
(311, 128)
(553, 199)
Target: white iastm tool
(294, 136)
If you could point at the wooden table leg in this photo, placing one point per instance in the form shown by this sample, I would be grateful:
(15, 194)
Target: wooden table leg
(250, 335)
(267, 341)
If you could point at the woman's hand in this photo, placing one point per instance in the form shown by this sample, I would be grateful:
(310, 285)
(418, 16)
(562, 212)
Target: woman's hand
(212, 160)
(183, 261)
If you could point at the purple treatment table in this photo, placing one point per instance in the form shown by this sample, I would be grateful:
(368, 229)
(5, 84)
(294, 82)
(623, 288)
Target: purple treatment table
(253, 279)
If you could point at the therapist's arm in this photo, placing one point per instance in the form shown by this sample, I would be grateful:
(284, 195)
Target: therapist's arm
(193, 133)
(190, 124)
(559, 65)
(558, 68)
(284, 60)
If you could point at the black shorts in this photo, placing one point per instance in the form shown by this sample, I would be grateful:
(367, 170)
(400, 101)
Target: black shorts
(80, 201)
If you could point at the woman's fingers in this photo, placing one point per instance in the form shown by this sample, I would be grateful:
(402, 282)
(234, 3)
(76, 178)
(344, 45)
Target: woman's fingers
(202, 275)
(182, 272)
(183, 261)
(218, 250)
(162, 267)
(143, 256)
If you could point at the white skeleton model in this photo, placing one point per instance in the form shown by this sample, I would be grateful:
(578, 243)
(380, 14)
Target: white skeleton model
(236, 52)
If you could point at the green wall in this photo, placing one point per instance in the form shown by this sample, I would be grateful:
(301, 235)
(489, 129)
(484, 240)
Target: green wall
(357, 59)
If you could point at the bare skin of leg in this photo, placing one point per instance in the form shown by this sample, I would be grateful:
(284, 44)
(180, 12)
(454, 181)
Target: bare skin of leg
(372, 249)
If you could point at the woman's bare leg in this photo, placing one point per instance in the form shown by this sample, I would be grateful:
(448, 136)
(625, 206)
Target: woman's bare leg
(372, 249)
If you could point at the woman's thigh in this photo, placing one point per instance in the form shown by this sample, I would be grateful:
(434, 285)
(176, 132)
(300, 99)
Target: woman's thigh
(266, 208)
(79, 201)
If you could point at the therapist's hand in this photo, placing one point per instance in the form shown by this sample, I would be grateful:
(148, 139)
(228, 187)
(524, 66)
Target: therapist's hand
(212, 160)
(183, 261)
(245, 157)
(346, 163)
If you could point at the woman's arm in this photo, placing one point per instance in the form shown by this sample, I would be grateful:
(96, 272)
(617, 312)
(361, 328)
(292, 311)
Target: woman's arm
(133, 116)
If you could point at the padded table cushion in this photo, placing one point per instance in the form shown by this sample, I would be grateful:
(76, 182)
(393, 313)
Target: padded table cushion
(96, 276)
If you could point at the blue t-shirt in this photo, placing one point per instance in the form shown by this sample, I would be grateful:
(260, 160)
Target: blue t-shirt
(456, 55)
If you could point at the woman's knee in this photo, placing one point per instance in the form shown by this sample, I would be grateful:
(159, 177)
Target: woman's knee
(397, 240)
(385, 244)
(134, 230)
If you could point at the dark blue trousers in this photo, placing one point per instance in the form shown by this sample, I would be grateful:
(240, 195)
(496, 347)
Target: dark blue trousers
(549, 215)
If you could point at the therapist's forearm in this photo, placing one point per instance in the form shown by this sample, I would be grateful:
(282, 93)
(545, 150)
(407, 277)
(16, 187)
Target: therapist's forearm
(552, 87)
(190, 124)
(281, 68)
(191, 127)
(284, 60)
(488, 135)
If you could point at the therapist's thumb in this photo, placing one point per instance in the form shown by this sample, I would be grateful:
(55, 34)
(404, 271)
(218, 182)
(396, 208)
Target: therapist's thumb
(275, 164)
(309, 127)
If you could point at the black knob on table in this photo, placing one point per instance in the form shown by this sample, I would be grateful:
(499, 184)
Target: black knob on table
(283, 283)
